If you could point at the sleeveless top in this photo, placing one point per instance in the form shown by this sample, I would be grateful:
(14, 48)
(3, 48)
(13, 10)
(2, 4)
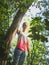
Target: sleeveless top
(22, 42)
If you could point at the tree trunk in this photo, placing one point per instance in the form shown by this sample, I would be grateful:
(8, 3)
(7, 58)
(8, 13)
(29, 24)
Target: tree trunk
(9, 35)
(13, 27)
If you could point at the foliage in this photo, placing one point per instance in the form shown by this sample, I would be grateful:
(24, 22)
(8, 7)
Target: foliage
(7, 8)
(5, 14)
(23, 4)
(43, 5)
(37, 53)
(38, 37)
(38, 29)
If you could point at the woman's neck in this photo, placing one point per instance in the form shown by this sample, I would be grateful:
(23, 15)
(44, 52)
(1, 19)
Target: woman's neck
(23, 30)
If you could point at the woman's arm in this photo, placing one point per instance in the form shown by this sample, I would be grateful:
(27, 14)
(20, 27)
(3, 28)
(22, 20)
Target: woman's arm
(28, 49)
(18, 31)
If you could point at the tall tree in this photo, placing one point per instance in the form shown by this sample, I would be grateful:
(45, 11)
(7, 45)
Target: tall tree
(22, 7)
(38, 37)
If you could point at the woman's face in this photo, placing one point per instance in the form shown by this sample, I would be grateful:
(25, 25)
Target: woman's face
(24, 26)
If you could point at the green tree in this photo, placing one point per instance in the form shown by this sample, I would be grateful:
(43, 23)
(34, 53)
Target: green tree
(37, 29)
(40, 29)
(7, 8)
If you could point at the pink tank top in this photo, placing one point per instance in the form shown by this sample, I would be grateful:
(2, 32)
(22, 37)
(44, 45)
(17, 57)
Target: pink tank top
(22, 43)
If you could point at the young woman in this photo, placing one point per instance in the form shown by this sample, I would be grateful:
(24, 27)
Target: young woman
(22, 46)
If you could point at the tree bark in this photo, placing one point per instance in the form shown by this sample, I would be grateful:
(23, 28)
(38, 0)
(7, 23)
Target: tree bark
(13, 27)
(10, 32)
(9, 35)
